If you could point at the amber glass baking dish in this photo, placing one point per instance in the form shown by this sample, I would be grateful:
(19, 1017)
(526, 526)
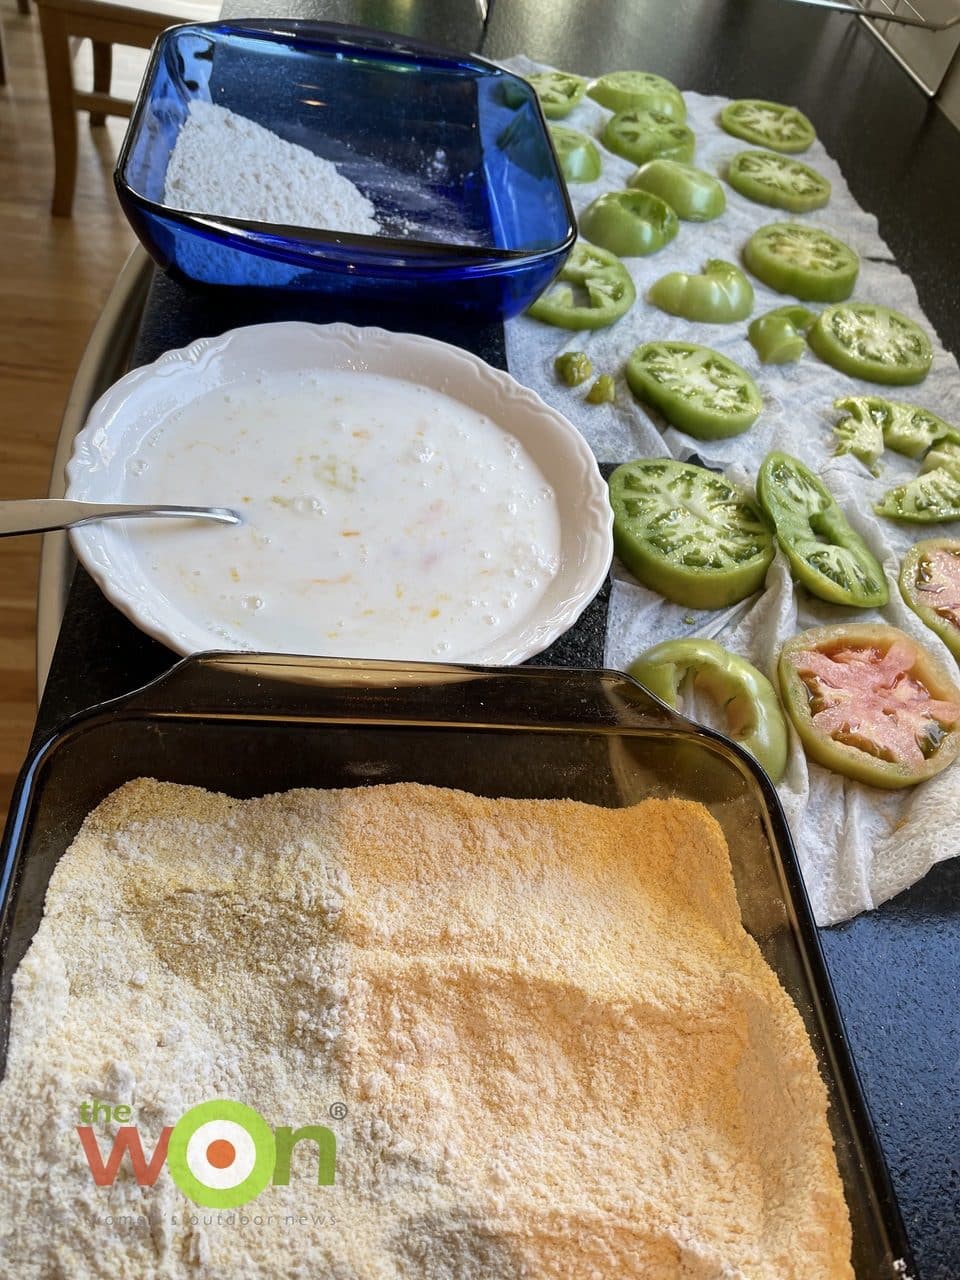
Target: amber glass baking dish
(253, 724)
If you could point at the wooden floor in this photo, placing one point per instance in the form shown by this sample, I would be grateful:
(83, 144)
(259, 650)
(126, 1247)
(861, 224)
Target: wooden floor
(54, 277)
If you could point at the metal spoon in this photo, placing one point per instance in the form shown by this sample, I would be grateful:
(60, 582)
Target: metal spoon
(43, 515)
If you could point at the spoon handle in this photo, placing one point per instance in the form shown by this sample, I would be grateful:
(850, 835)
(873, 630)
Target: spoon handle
(43, 515)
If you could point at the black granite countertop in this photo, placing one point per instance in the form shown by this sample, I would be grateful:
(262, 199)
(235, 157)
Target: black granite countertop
(897, 969)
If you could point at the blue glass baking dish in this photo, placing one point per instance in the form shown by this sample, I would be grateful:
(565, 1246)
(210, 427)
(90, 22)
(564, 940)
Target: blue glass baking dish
(453, 152)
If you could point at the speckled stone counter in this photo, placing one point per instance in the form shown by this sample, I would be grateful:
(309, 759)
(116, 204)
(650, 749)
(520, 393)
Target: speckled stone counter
(896, 970)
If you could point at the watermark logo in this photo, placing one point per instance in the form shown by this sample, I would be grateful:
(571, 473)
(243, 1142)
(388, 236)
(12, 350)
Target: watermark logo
(221, 1154)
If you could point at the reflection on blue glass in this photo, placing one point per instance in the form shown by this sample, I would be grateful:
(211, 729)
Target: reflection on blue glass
(452, 152)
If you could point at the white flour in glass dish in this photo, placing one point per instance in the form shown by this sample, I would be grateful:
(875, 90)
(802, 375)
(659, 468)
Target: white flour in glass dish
(223, 163)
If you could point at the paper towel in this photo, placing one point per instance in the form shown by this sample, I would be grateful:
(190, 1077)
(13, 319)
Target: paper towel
(857, 845)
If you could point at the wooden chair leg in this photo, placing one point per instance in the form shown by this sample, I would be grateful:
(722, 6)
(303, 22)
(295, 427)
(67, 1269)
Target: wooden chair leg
(102, 72)
(63, 117)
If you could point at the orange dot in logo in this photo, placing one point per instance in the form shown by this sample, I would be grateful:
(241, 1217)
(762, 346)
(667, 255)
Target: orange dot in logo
(221, 1153)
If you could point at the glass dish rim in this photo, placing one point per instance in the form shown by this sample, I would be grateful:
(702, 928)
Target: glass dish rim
(478, 259)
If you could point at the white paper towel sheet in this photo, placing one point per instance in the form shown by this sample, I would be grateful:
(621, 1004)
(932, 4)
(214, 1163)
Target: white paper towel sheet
(858, 845)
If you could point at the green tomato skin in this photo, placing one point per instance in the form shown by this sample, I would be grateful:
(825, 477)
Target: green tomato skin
(721, 295)
(827, 525)
(578, 156)
(910, 572)
(688, 413)
(826, 340)
(747, 697)
(692, 586)
(838, 756)
(696, 196)
(640, 136)
(777, 197)
(778, 337)
(631, 224)
(623, 90)
(606, 280)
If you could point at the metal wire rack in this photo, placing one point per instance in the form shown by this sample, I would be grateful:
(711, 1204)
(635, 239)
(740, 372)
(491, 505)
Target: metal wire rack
(923, 35)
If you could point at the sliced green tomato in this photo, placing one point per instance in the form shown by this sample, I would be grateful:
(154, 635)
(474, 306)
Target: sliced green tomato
(930, 584)
(573, 367)
(826, 555)
(778, 337)
(630, 224)
(768, 124)
(640, 135)
(558, 91)
(578, 155)
(804, 261)
(694, 195)
(904, 428)
(688, 533)
(928, 498)
(603, 391)
(747, 698)
(870, 703)
(719, 296)
(696, 389)
(858, 434)
(592, 290)
(773, 179)
(621, 90)
(944, 455)
(872, 342)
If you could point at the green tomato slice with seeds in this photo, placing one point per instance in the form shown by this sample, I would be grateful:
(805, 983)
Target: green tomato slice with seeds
(592, 290)
(929, 498)
(870, 703)
(768, 124)
(697, 390)
(578, 154)
(750, 704)
(641, 135)
(694, 195)
(779, 336)
(904, 428)
(688, 533)
(621, 90)
(804, 261)
(721, 295)
(772, 179)
(826, 555)
(858, 435)
(872, 342)
(558, 91)
(946, 454)
(630, 224)
(930, 584)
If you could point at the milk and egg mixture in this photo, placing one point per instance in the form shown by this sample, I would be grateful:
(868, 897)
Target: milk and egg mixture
(382, 519)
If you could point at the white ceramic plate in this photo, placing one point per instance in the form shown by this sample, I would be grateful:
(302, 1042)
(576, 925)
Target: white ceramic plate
(119, 422)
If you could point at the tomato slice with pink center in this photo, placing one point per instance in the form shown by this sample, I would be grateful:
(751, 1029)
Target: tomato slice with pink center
(870, 703)
(869, 700)
(930, 584)
(938, 584)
